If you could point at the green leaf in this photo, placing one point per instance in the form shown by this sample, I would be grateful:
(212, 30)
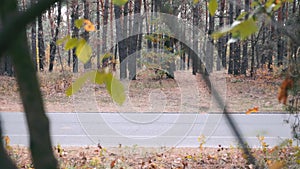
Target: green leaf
(246, 28)
(241, 16)
(62, 40)
(195, 1)
(71, 43)
(83, 51)
(269, 3)
(115, 89)
(120, 2)
(212, 7)
(79, 23)
(79, 83)
(254, 4)
(99, 78)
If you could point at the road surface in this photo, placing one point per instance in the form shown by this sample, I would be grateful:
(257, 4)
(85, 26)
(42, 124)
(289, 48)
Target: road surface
(150, 129)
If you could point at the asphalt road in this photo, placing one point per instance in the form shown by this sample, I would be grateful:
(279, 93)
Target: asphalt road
(150, 129)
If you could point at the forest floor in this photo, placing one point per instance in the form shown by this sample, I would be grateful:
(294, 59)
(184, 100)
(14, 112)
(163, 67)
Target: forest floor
(122, 157)
(186, 93)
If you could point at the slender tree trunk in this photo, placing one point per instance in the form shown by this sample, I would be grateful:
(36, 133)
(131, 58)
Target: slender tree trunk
(237, 45)
(41, 43)
(69, 31)
(75, 32)
(148, 26)
(98, 33)
(280, 41)
(53, 41)
(119, 37)
(86, 36)
(231, 46)
(252, 57)
(244, 66)
(134, 40)
(104, 32)
(209, 46)
(33, 40)
(195, 38)
(123, 59)
(139, 41)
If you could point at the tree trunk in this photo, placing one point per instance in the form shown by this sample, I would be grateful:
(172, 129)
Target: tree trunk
(69, 31)
(237, 45)
(244, 66)
(134, 40)
(33, 40)
(209, 46)
(41, 43)
(98, 34)
(75, 32)
(53, 41)
(123, 59)
(279, 40)
(231, 46)
(252, 56)
(195, 38)
(104, 32)
(120, 41)
(87, 65)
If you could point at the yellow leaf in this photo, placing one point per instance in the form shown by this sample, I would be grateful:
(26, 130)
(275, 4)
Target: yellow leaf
(212, 7)
(79, 83)
(253, 110)
(63, 40)
(120, 2)
(246, 28)
(71, 43)
(195, 1)
(79, 23)
(115, 89)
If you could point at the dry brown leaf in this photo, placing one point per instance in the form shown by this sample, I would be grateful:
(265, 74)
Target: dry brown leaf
(253, 110)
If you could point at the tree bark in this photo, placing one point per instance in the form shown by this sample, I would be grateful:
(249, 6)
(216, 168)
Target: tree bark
(231, 46)
(195, 38)
(86, 36)
(134, 40)
(53, 41)
(33, 40)
(98, 34)
(75, 32)
(104, 32)
(41, 43)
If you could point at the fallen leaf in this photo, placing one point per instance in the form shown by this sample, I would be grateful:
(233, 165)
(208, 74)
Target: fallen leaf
(253, 110)
(112, 164)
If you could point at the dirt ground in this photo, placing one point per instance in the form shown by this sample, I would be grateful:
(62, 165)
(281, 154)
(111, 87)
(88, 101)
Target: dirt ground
(185, 93)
